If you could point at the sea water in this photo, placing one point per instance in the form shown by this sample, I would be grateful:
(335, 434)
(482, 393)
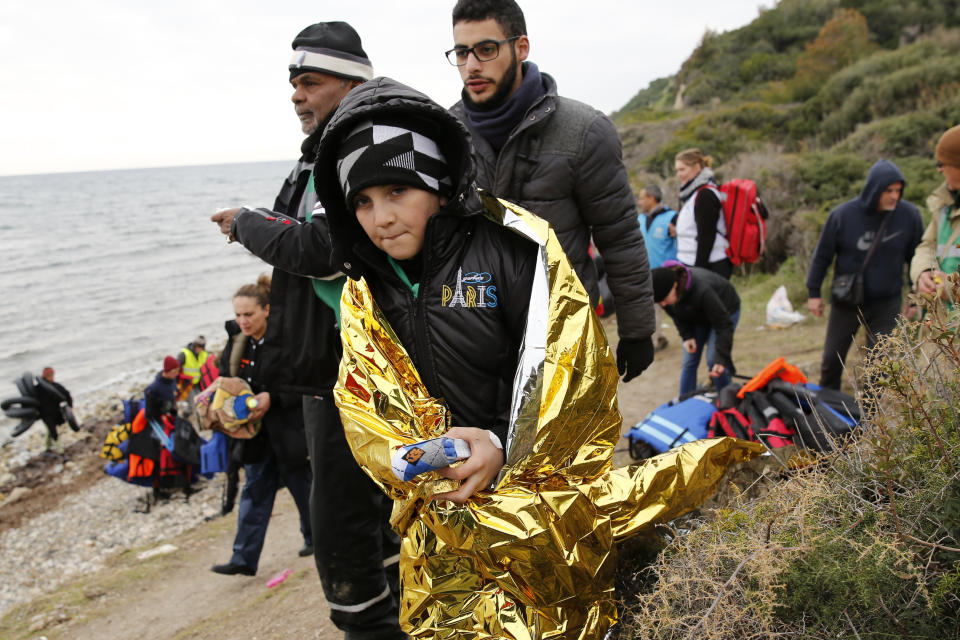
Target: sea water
(104, 273)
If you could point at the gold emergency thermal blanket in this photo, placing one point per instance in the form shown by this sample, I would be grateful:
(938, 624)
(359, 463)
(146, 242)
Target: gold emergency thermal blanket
(534, 557)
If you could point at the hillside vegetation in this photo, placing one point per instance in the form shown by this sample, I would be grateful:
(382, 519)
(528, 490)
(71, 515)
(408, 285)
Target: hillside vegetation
(866, 542)
(803, 100)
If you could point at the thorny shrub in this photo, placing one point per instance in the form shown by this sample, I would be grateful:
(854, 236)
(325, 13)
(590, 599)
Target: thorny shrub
(865, 543)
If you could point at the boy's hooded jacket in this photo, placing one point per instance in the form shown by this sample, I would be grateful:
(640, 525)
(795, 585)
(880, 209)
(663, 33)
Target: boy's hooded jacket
(532, 557)
(850, 230)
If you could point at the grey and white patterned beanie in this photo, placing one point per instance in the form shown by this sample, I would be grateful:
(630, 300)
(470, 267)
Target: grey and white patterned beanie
(391, 149)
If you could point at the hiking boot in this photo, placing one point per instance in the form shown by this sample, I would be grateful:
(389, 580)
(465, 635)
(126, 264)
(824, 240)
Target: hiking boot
(230, 569)
(306, 550)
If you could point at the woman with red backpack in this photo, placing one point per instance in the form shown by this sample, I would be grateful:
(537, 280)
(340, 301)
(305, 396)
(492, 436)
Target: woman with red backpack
(701, 229)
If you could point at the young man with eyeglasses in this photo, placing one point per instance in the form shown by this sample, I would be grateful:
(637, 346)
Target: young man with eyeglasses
(557, 157)
(938, 253)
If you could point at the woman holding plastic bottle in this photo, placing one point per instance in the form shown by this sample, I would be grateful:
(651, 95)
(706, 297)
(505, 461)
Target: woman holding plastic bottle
(277, 455)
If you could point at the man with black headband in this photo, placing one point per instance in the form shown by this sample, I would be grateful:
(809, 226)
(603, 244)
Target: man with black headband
(354, 549)
(557, 157)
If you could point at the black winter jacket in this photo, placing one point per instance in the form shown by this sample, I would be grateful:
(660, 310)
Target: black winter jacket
(282, 429)
(464, 329)
(50, 395)
(563, 162)
(160, 397)
(708, 298)
(301, 326)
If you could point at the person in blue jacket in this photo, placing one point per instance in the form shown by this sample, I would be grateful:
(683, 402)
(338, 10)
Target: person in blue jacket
(655, 225)
(844, 242)
(660, 237)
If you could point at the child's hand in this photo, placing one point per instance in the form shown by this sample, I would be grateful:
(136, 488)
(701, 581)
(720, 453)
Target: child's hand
(690, 346)
(716, 371)
(477, 471)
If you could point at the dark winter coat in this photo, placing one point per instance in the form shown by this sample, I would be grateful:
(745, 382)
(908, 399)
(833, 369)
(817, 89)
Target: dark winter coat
(282, 425)
(563, 162)
(707, 298)
(850, 230)
(160, 397)
(301, 326)
(466, 354)
(50, 395)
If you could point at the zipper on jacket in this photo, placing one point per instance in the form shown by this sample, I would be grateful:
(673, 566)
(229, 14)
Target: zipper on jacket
(427, 373)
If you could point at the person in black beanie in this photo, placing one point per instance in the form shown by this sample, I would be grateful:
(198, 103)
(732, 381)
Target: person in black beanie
(706, 308)
(558, 158)
(354, 549)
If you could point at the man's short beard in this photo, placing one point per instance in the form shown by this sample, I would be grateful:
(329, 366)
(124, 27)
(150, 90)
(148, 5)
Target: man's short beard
(504, 87)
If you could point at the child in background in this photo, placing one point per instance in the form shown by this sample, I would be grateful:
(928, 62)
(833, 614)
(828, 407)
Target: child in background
(463, 318)
(706, 308)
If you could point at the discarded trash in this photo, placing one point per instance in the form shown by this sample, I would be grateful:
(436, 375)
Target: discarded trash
(780, 313)
(156, 551)
(280, 577)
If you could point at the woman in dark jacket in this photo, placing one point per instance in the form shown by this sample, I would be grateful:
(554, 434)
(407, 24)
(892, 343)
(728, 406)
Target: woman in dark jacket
(706, 308)
(701, 230)
(277, 455)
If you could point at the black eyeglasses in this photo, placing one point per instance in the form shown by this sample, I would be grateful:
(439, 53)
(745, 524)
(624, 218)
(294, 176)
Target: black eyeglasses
(484, 51)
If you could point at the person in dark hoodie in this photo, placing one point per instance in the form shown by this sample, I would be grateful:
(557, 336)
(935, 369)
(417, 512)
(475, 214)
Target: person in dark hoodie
(354, 548)
(706, 308)
(845, 241)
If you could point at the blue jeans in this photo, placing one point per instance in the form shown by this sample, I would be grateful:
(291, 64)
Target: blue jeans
(704, 334)
(256, 504)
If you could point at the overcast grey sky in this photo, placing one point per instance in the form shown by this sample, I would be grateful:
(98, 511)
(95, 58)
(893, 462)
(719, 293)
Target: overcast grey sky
(105, 84)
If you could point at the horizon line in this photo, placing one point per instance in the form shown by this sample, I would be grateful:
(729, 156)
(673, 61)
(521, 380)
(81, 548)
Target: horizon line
(166, 166)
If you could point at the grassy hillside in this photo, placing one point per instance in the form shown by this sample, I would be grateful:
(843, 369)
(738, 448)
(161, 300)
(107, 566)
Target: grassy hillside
(865, 543)
(803, 100)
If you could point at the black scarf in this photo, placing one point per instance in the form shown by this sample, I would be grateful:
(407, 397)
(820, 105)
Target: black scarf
(495, 124)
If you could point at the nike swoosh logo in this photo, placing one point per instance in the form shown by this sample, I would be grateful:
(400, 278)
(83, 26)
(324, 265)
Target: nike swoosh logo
(864, 242)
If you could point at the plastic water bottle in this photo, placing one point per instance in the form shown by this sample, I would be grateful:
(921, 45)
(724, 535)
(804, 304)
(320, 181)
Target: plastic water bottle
(243, 405)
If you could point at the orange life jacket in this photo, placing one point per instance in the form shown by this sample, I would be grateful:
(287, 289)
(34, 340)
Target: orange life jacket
(779, 368)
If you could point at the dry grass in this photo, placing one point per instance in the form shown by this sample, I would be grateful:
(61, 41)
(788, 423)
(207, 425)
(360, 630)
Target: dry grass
(863, 544)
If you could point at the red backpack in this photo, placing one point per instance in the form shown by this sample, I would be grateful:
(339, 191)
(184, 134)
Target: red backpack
(745, 217)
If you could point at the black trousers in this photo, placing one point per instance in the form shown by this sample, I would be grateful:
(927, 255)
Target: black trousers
(879, 317)
(356, 552)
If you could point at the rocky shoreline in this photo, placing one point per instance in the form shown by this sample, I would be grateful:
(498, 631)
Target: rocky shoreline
(62, 517)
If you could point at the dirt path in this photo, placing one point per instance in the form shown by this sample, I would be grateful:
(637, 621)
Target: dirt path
(176, 596)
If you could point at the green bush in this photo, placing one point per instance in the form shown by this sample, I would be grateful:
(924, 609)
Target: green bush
(659, 94)
(922, 178)
(904, 135)
(827, 178)
(899, 92)
(764, 67)
(891, 20)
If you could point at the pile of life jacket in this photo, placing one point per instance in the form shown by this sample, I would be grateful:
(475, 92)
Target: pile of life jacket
(115, 444)
(165, 454)
(778, 407)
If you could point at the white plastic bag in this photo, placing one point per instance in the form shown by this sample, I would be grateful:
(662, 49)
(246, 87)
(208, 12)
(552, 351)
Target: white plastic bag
(780, 313)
